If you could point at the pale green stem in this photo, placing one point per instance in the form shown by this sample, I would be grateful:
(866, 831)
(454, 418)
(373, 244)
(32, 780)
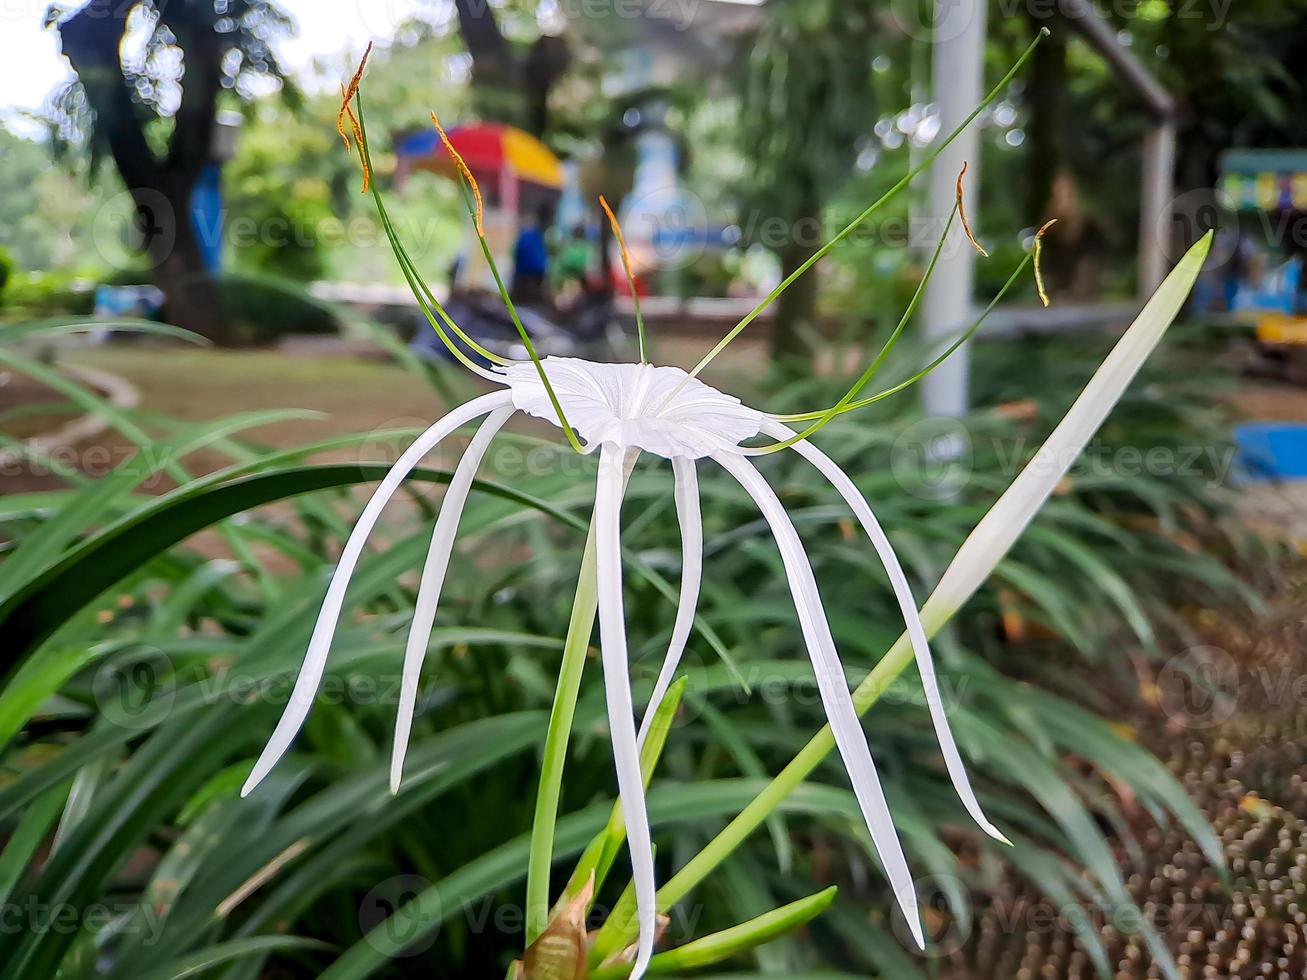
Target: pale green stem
(541, 857)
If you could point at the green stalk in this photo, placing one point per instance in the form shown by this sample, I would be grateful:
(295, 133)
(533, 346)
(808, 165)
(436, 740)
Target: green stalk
(517, 322)
(948, 352)
(729, 942)
(415, 282)
(541, 857)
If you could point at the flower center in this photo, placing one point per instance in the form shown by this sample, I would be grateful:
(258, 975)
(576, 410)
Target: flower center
(660, 410)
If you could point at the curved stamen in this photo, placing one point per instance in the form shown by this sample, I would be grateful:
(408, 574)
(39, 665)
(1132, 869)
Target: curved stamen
(912, 619)
(878, 361)
(617, 689)
(421, 292)
(833, 687)
(630, 276)
(944, 355)
(433, 578)
(687, 514)
(315, 659)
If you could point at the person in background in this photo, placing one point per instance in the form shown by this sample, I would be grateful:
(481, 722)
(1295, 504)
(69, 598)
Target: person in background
(531, 259)
(575, 267)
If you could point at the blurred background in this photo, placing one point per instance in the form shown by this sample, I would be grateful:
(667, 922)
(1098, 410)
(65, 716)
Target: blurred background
(209, 353)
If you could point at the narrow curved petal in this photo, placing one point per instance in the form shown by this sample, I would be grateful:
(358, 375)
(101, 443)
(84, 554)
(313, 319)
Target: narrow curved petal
(433, 579)
(687, 514)
(315, 660)
(916, 632)
(617, 688)
(833, 687)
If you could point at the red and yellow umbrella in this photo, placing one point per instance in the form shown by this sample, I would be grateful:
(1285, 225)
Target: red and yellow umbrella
(492, 152)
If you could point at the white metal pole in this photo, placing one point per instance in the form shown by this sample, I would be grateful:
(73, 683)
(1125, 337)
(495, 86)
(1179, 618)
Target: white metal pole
(1155, 206)
(957, 74)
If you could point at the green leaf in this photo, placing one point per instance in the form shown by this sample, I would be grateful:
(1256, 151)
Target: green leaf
(729, 942)
(228, 952)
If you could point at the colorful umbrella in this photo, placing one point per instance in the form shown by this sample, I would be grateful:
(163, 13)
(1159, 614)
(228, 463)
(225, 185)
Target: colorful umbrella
(490, 150)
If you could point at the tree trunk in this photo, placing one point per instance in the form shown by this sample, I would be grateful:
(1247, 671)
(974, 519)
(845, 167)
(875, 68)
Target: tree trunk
(1046, 127)
(795, 316)
(502, 82)
(168, 234)
(1052, 189)
(161, 189)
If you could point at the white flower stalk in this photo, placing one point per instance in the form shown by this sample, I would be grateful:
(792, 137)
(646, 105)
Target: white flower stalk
(623, 410)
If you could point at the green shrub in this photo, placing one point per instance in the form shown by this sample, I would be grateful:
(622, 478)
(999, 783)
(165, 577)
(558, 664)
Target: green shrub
(6, 270)
(50, 293)
(261, 309)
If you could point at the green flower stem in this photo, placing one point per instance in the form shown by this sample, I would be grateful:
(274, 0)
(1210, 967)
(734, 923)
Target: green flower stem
(541, 857)
(598, 857)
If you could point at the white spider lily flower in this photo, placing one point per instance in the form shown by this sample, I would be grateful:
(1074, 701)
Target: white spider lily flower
(623, 410)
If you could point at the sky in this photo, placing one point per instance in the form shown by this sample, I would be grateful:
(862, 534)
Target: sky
(31, 66)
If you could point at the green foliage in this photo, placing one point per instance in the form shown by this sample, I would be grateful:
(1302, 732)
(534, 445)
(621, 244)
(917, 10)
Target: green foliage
(6, 271)
(282, 189)
(144, 669)
(806, 98)
(48, 293)
(261, 309)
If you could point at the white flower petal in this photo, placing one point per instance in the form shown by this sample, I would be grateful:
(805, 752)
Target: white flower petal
(833, 687)
(907, 604)
(433, 578)
(617, 688)
(661, 410)
(315, 659)
(687, 514)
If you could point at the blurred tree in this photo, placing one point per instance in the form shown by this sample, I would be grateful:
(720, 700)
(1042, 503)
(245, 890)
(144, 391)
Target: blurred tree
(511, 83)
(1232, 68)
(279, 190)
(806, 98)
(51, 225)
(154, 114)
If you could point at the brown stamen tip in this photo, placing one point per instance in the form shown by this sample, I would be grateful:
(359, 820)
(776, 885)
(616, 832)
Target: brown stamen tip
(1039, 247)
(617, 233)
(347, 93)
(341, 116)
(467, 174)
(962, 213)
(346, 114)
